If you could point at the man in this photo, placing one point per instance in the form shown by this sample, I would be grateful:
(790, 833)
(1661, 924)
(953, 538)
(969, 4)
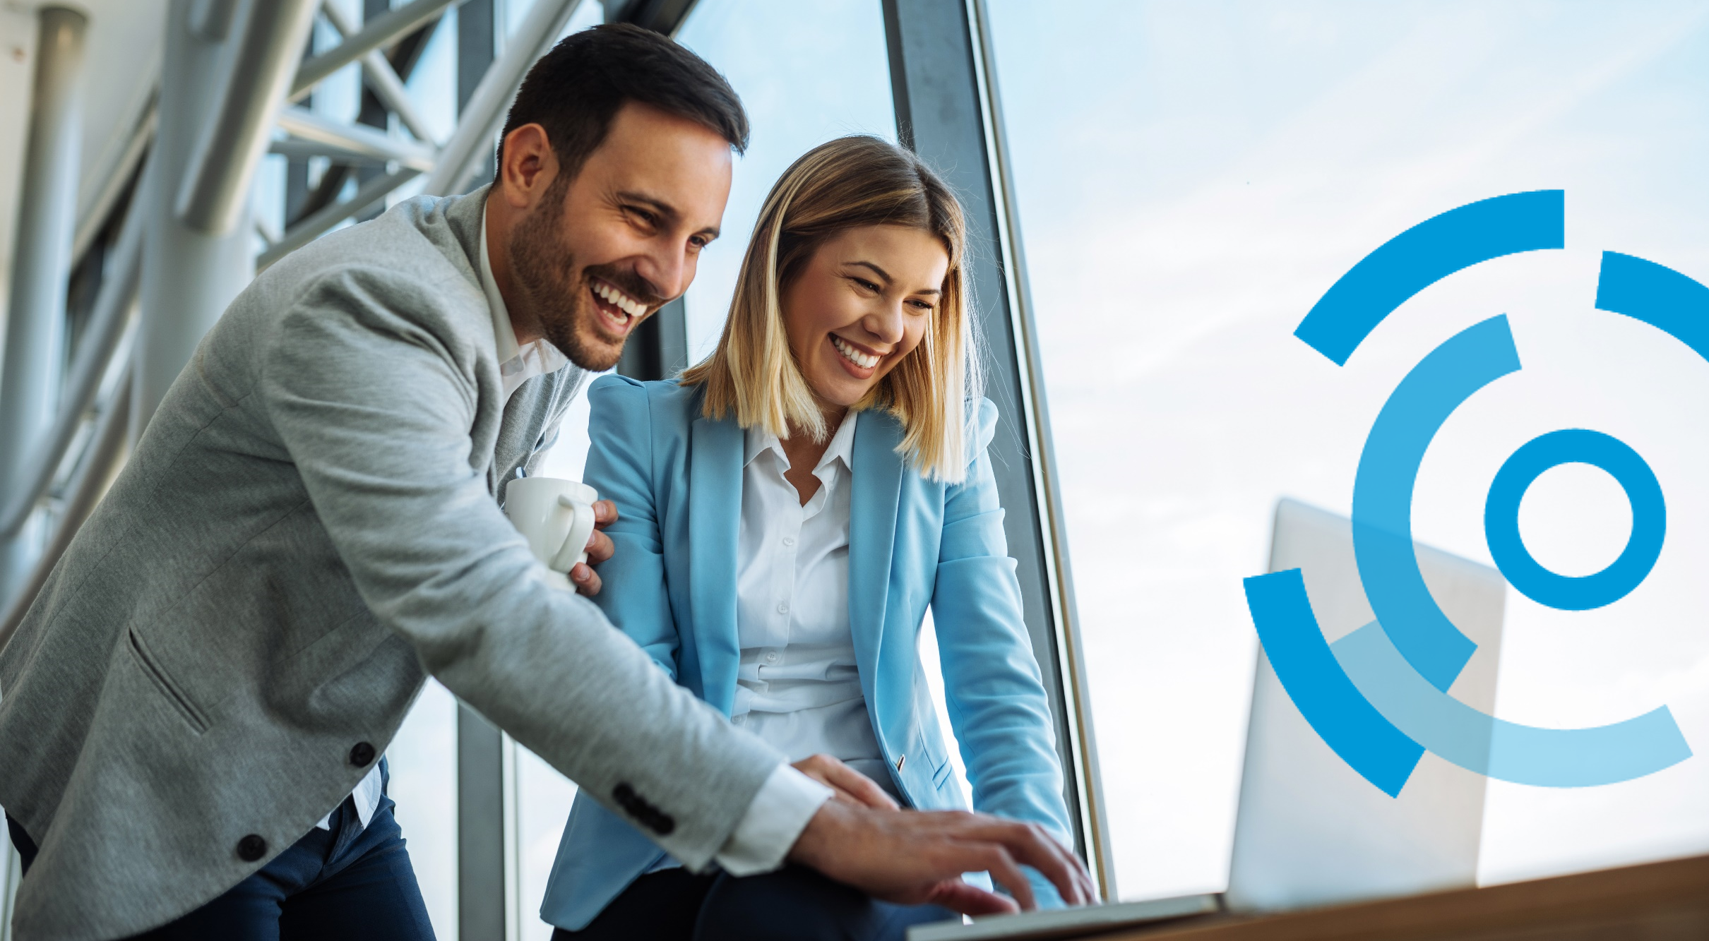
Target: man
(309, 527)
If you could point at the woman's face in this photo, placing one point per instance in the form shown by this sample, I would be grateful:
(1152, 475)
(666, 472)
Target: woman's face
(860, 304)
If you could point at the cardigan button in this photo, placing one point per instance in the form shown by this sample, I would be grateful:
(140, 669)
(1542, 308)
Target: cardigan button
(251, 848)
(362, 754)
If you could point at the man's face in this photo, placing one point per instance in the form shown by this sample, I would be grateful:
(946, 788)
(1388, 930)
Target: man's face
(601, 252)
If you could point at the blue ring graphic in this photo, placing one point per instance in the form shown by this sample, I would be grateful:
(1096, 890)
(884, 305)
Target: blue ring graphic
(1382, 494)
(1378, 696)
(1649, 519)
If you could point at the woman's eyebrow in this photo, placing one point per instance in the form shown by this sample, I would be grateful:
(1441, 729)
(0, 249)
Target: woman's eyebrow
(886, 276)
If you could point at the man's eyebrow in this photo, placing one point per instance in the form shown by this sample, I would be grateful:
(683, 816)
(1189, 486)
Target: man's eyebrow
(886, 275)
(666, 211)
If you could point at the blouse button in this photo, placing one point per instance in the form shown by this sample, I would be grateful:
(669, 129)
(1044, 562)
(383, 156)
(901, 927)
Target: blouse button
(788, 541)
(783, 607)
(771, 656)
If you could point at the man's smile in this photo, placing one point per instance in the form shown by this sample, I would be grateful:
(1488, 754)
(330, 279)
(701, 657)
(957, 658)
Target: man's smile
(618, 312)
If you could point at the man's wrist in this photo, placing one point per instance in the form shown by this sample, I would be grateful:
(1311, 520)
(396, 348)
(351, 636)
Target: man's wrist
(774, 821)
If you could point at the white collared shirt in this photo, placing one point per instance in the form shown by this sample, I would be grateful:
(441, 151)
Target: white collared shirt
(798, 685)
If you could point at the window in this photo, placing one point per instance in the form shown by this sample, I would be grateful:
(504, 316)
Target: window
(1192, 176)
(807, 73)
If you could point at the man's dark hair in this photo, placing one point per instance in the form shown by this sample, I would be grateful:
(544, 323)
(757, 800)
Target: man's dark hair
(576, 90)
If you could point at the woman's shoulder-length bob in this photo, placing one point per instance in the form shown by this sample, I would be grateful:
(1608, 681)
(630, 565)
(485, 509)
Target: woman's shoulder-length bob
(845, 184)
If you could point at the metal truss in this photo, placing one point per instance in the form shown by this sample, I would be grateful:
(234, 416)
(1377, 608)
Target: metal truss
(65, 470)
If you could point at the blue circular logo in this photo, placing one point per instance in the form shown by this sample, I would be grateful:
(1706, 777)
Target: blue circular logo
(1379, 696)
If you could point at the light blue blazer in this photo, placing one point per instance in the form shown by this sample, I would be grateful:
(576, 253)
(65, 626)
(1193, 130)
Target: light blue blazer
(676, 478)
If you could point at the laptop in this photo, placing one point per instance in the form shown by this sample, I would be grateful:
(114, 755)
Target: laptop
(1309, 830)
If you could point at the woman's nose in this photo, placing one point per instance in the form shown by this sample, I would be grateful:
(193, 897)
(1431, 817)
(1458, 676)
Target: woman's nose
(885, 323)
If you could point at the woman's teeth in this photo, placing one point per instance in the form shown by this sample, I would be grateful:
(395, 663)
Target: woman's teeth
(863, 360)
(618, 299)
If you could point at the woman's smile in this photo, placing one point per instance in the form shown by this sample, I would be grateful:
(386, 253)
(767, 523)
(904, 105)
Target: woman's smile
(860, 362)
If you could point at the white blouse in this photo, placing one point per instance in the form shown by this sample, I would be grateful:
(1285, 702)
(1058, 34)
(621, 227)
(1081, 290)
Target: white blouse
(799, 683)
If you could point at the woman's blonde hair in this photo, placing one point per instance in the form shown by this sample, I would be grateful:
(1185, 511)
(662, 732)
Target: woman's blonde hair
(845, 184)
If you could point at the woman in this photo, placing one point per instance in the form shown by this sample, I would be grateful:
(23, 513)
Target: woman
(788, 509)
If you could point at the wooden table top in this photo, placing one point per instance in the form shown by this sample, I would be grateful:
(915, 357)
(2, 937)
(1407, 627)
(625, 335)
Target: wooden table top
(1667, 901)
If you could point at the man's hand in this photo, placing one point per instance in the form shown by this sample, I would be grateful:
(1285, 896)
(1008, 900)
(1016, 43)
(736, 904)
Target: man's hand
(599, 548)
(850, 785)
(915, 858)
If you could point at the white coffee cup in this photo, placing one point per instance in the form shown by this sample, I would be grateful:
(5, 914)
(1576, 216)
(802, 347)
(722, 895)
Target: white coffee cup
(555, 516)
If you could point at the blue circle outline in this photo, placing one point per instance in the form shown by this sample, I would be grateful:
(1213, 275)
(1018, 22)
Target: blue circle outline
(1575, 446)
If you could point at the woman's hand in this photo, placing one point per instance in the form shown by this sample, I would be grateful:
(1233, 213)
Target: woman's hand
(599, 548)
(849, 785)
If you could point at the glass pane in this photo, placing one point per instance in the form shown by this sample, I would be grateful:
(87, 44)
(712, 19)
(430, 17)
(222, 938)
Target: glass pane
(1192, 177)
(807, 73)
(423, 763)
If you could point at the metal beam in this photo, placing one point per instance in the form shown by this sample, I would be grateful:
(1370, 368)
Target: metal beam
(376, 33)
(215, 191)
(942, 113)
(94, 355)
(302, 202)
(480, 827)
(322, 222)
(88, 483)
(1071, 654)
(478, 127)
(212, 19)
(379, 76)
(188, 276)
(355, 139)
(122, 178)
(47, 216)
(298, 149)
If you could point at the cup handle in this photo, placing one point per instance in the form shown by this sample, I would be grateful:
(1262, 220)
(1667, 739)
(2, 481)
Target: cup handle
(581, 529)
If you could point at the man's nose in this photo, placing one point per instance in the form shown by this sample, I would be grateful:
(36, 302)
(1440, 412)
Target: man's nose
(666, 269)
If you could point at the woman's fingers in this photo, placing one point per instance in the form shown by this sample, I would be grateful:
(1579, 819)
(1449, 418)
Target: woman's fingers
(846, 781)
(604, 513)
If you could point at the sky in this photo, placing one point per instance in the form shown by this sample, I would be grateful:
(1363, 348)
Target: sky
(1192, 176)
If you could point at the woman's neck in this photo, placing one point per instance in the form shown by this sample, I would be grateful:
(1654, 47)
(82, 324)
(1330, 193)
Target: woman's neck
(804, 453)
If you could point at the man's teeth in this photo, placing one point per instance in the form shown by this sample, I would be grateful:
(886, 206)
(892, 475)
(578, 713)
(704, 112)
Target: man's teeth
(618, 299)
(863, 360)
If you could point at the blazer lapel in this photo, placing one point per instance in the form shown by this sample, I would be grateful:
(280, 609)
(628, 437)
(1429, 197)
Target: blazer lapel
(877, 481)
(714, 515)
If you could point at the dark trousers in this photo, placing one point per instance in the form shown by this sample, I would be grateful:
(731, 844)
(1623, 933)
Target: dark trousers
(350, 882)
(793, 903)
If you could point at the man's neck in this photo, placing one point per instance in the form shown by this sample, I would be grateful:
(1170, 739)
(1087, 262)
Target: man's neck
(501, 228)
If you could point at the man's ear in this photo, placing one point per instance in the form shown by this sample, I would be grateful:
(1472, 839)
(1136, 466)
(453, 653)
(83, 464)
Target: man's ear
(530, 165)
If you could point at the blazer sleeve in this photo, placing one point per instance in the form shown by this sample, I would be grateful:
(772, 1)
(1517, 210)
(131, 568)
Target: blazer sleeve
(619, 466)
(992, 684)
(374, 407)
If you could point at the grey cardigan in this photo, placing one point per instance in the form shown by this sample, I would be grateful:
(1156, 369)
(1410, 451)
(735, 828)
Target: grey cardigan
(309, 527)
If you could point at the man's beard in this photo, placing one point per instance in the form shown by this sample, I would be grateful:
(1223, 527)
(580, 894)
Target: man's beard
(558, 292)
